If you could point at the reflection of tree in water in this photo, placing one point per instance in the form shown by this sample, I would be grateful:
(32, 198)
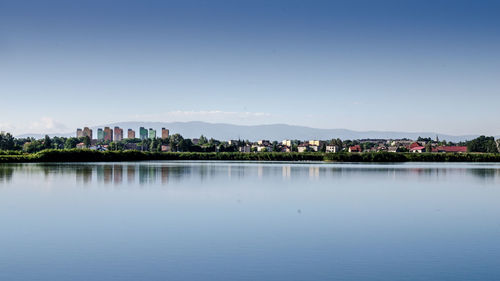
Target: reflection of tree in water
(177, 173)
(485, 173)
(152, 173)
(6, 172)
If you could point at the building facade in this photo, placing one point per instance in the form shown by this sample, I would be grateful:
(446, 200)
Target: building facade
(152, 134)
(143, 133)
(118, 134)
(100, 134)
(87, 132)
(332, 148)
(79, 133)
(131, 134)
(164, 133)
(108, 134)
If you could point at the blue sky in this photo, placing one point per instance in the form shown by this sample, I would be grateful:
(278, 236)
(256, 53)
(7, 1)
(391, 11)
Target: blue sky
(361, 65)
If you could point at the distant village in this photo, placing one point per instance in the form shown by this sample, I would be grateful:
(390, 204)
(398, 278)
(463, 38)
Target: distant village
(147, 140)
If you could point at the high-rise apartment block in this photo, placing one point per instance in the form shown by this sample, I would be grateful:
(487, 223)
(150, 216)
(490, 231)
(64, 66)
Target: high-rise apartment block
(143, 133)
(100, 134)
(108, 134)
(152, 134)
(87, 132)
(118, 134)
(131, 134)
(79, 133)
(164, 133)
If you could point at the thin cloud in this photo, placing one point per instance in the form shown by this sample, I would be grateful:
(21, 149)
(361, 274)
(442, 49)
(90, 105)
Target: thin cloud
(205, 115)
(47, 125)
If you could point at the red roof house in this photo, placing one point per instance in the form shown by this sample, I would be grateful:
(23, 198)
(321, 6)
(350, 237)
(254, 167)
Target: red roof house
(413, 145)
(355, 148)
(452, 149)
(417, 149)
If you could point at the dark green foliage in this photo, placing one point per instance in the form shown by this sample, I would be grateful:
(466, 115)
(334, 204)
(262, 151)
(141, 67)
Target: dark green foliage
(86, 141)
(421, 139)
(403, 149)
(202, 140)
(47, 142)
(428, 147)
(10, 152)
(365, 157)
(482, 144)
(86, 155)
(7, 142)
(71, 143)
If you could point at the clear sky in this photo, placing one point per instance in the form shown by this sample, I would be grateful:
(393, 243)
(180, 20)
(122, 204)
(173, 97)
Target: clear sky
(362, 65)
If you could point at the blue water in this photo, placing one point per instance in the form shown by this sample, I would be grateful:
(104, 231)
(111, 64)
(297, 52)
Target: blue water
(249, 221)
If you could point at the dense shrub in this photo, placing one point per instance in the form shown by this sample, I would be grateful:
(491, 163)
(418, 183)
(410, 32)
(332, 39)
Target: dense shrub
(86, 155)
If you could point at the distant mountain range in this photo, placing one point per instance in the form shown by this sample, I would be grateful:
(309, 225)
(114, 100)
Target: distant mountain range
(223, 131)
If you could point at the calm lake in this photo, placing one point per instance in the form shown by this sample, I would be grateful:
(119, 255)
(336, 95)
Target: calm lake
(249, 221)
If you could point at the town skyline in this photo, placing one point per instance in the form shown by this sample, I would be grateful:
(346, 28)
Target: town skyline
(113, 139)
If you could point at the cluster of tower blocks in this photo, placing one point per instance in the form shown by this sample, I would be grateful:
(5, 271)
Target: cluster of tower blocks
(116, 134)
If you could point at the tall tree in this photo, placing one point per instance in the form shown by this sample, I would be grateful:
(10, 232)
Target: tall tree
(47, 142)
(86, 141)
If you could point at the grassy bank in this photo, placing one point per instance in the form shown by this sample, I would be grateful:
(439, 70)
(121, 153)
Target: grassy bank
(83, 155)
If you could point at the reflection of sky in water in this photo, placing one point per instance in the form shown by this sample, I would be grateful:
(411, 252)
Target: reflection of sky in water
(249, 221)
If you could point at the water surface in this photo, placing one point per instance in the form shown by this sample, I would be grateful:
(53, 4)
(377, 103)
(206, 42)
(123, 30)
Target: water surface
(249, 221)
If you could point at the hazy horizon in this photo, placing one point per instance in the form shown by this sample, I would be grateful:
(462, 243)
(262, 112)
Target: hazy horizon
(228, 131)
(360, 65)
(53, 127)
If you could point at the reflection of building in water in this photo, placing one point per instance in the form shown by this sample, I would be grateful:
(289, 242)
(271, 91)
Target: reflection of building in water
(100, 173)
(108, 173)
(143, 174)
(131, 174)
(286, 171)
(314, 172)
(147, 174)
(260, 171)
(232, 171)
(241, 172)
(84, 174)
(164, 175)
(117, 174)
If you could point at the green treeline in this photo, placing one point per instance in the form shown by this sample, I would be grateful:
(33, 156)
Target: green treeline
(177, 143)
(86, 155)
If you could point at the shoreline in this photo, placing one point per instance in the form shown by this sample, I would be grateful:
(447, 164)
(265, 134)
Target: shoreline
(85, 155)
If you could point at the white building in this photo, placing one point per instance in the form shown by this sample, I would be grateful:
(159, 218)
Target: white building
(245, 149)
(332, 148)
